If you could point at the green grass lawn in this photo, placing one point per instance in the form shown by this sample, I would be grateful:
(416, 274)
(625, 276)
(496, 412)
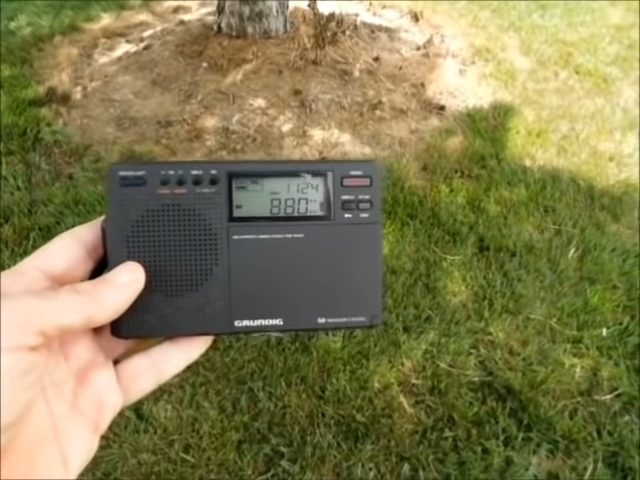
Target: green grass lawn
(512, 338)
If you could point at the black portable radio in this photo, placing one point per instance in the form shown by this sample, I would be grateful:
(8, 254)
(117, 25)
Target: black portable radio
(231, 247)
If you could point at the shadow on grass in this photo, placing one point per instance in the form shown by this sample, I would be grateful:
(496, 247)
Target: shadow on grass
(510, 347)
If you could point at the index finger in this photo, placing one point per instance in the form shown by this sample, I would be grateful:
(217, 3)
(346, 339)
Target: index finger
(68, 258)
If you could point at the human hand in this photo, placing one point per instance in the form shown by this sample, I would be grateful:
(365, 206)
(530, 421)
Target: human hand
(61, 382)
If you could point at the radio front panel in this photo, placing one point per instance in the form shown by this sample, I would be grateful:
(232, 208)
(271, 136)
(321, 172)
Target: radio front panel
(232, 247)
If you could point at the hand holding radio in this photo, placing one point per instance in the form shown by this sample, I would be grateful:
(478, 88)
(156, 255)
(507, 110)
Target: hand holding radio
(64, 378)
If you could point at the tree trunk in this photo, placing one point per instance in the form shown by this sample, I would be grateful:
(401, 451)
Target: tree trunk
(253, 18)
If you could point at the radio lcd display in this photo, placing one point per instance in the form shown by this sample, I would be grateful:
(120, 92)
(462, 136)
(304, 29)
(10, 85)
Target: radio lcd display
(279, 196)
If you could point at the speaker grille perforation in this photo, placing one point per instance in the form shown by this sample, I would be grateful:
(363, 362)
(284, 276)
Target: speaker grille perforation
(178, 247)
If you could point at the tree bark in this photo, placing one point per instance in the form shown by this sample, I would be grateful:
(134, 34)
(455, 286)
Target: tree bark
(253, 18)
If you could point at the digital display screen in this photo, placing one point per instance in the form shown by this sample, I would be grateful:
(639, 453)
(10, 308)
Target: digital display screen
(279, 196)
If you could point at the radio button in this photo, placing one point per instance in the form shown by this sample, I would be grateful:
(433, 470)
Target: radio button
(197, 181)
(356, 181)
(180, 181)
(213, 181)
(348, 205)
(164, 181)
(133, 181)
(365, 205)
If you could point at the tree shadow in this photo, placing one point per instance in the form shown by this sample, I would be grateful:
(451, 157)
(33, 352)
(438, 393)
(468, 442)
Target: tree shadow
(509, 347)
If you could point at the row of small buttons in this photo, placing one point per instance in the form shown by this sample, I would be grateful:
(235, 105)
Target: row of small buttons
(181, 181)
(350, 205)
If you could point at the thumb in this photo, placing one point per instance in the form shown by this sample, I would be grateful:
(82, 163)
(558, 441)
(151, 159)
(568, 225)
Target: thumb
(84, 305)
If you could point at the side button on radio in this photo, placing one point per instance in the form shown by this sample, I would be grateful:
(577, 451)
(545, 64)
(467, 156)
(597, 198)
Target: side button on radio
(365, 205)
(348, 205)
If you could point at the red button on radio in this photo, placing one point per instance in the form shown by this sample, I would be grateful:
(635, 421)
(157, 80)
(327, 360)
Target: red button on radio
(356, 181)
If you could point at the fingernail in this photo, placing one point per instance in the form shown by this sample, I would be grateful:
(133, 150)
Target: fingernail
(127, 273)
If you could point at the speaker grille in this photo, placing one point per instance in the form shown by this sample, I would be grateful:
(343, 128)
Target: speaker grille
(178, 246)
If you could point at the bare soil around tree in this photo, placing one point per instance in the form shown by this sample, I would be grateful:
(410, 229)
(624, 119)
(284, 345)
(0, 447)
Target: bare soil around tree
(358, 81)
